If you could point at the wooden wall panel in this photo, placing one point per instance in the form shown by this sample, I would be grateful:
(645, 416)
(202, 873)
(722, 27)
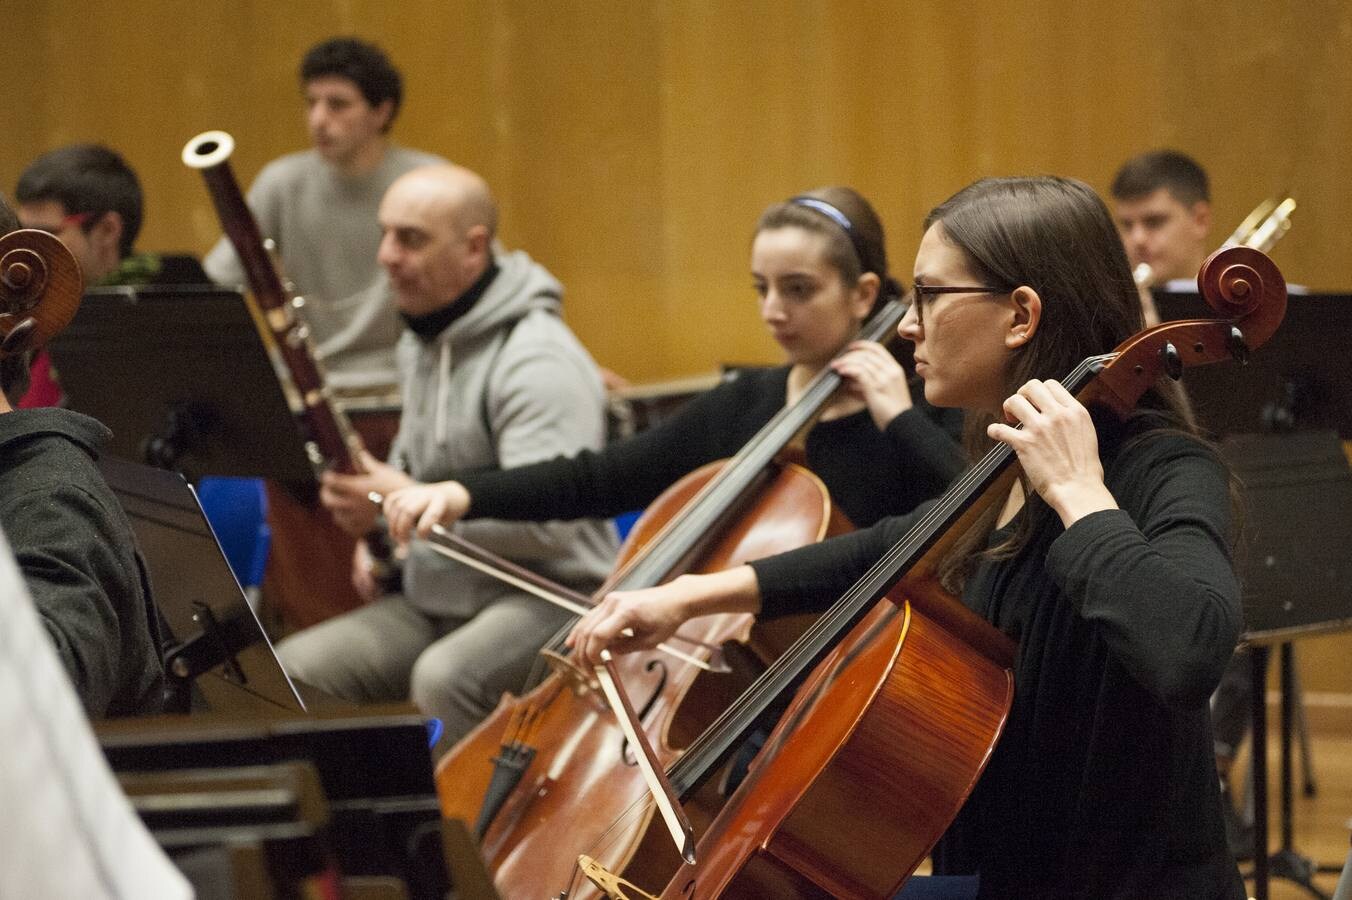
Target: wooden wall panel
(633, 144)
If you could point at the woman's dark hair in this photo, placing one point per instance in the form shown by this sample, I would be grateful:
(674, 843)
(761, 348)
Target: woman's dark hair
(851, 252)
(1055, 236)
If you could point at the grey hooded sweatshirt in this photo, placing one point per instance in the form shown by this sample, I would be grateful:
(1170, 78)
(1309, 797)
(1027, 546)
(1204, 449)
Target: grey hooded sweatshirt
(504, 385)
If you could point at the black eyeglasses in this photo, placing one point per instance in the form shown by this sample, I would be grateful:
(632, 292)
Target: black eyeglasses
(921, 291)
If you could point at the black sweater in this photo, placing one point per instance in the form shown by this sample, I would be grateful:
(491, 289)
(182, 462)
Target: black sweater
(1104, 782)
(75, 549)
(869, 473)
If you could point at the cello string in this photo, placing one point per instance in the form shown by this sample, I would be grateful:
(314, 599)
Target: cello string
(609, 839)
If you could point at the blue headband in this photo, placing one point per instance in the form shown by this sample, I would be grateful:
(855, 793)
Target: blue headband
(835, 215)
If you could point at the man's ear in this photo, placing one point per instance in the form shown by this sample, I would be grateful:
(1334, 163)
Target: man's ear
(107, 232)
(386, 107)
(1026, 306)
(477, 238)
(1201, 217)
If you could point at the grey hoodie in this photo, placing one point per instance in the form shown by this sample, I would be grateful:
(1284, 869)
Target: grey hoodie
(504, 385)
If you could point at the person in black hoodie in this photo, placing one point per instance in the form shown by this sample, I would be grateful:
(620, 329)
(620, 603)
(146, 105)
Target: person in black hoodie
(75, 548)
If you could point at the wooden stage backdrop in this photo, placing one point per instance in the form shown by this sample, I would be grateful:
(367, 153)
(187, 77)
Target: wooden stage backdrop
(632, 143)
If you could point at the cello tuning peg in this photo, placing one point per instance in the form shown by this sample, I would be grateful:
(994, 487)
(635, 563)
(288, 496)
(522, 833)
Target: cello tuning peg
(1238, 347)
(1173, 363)
(19, 337)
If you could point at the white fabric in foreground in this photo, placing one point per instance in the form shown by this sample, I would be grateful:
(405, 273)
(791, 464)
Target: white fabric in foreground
(67, 830)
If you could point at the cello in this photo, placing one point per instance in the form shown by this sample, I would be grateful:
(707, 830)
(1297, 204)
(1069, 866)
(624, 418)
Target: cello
(899, 703)
(552, 759)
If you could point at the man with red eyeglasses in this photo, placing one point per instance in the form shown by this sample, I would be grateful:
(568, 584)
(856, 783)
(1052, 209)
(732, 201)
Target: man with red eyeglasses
(89, 197)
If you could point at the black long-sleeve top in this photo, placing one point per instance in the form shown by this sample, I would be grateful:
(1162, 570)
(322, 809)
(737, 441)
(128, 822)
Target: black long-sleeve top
(1104, 782)
(76, 551)
(869, 473)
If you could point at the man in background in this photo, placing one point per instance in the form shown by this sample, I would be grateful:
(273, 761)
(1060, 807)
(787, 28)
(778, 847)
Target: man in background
(1162, 203)
(319, 207)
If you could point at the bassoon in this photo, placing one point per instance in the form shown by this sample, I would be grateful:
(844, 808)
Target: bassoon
(331, 441)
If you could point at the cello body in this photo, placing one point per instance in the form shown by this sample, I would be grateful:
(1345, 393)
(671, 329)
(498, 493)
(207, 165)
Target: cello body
(904, 716)
(583, 777)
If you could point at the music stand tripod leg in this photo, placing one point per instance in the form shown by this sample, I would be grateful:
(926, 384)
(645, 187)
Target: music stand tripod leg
(1303, 734)
(1258, 769)
(1286, 863)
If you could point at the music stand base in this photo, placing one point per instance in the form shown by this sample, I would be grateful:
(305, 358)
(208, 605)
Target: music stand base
(1289, 865)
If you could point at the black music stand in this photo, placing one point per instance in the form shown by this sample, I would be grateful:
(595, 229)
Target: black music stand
(1296, 380)
(375, 769)
(1298, 583)
(1283, 415)
(219, 645)
(183, 379)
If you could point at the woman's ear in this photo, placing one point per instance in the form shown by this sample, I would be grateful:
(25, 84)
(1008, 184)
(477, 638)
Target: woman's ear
(865, 295)
(1027, 309)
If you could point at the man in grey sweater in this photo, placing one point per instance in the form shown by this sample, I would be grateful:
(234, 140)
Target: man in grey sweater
(318, 205)
(492, 378)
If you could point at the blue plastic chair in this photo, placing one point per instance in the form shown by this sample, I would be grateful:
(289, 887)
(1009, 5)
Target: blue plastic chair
(237, 509)
(625, 521)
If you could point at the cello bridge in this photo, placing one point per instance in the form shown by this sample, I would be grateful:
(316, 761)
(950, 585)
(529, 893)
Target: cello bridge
(610, 884)
(578, 680)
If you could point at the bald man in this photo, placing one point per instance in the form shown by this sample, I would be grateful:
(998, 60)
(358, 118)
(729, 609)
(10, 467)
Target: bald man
(491, 377)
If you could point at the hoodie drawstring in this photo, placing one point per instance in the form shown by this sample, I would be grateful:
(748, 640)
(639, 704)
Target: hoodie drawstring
(441, 426)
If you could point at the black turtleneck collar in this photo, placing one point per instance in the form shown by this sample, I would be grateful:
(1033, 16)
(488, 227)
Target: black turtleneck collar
(434, 323)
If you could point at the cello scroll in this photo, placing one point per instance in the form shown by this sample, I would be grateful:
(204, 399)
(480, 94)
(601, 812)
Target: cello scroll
(40, 287)
(1247, 291)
